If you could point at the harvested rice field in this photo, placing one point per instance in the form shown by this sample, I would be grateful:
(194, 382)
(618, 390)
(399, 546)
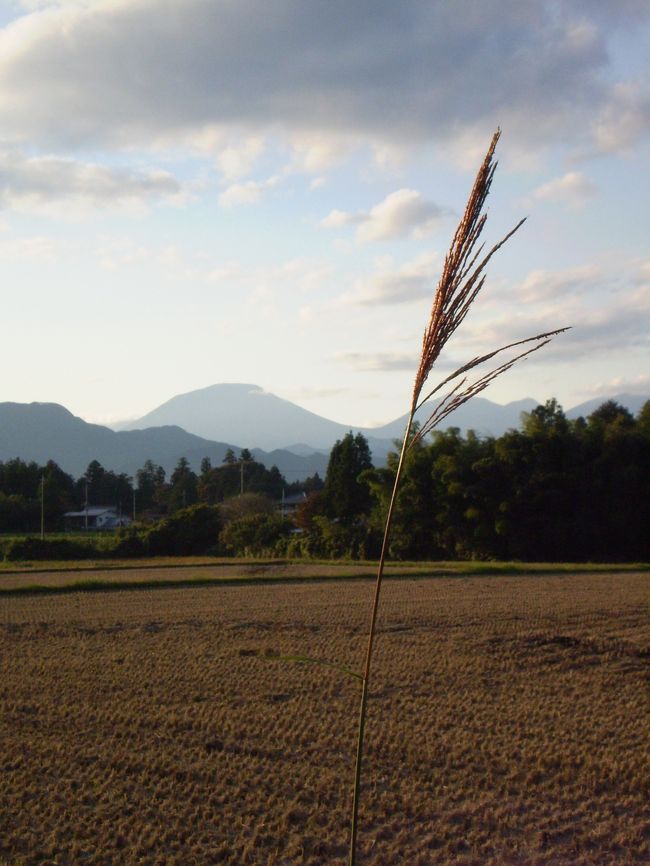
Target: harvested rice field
(509, 723)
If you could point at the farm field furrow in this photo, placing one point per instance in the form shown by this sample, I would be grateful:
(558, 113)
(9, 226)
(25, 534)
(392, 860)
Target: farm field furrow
(509, 723)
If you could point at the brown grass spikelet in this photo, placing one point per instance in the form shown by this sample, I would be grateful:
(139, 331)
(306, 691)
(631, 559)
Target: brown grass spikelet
(458, 285)
(462, 278)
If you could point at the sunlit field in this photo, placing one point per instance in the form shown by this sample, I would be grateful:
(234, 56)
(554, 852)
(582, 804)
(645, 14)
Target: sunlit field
(509, 723)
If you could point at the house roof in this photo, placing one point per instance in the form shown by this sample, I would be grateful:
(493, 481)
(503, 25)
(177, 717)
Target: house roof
(92, 511)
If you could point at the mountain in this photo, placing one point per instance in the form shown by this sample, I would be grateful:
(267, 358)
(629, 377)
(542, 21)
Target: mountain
(633, 402)
(483, 416)
(243, 413)
(256, 419)
(48, 431)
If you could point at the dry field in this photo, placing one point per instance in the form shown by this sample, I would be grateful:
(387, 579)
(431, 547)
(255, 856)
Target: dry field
(509, 724)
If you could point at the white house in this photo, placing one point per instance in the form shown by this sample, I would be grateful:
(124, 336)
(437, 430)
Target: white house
(95, 517)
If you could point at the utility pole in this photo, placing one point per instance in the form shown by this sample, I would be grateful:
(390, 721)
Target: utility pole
(134, 503)
(42, 505)
(86, 506)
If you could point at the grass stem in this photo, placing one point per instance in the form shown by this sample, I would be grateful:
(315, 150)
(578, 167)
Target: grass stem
(365, 679)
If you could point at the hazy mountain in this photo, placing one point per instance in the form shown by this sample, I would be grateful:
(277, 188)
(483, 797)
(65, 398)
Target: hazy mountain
(240, 414)
(251, 416)
(633, 402)
(483, 416)
(48, 431)
(243, 413)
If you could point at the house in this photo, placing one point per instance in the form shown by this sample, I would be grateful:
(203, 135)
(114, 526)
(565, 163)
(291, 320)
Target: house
(95, 517)
(288, 504)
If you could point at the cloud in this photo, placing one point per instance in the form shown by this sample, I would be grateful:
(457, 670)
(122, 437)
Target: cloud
(31, 249)
(250, 192)
(378, 362)
(572, 188)
(314, 153)
(125, 73)
(45, 184)
(623, 119)
(618, 385)
(316, 393)
(397, 285)
(238, 158)
(542, 285)
(606, 305)
(400, 214)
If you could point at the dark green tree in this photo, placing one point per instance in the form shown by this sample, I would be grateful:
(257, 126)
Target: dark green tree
(151, 488)
(345, 496)
(182, 486)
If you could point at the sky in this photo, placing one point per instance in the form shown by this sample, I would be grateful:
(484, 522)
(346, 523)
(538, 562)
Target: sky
(203, 191)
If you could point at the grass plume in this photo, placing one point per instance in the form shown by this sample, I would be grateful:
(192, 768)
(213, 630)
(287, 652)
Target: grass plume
(463, 277)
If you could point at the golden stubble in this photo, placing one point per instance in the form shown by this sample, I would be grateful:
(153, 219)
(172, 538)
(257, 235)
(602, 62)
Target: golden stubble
(159, 727)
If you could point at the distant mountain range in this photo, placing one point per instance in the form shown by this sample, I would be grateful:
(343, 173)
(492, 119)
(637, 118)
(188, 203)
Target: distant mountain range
(47, 431)
(252, 417)
(206, 422)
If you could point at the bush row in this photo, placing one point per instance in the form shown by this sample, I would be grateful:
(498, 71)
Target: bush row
(196, 530)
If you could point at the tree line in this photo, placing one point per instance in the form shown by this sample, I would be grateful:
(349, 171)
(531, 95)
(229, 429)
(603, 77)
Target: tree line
(554, 490)
(27, 487)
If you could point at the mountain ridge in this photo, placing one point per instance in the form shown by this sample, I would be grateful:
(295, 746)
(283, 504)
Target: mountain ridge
(49, 431)
(233, 411)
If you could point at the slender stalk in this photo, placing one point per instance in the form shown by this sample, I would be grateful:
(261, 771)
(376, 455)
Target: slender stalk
(371, 639)
(462, 278)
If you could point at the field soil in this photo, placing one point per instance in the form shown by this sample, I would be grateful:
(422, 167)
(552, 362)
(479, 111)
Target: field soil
(508, 723)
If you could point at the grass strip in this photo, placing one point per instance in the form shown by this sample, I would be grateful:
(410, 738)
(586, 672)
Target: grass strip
(395, 573)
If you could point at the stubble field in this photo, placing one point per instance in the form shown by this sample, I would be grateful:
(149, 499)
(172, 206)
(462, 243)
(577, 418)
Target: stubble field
(509, 724)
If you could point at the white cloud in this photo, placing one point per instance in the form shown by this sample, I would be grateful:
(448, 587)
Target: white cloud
(338, 218)
(572, 188)
(44, 184)
(316, 152)
(250, 192)
(131, 72)
(624, 117)
(379, 361)
(32, 248)
(410, 281)
(315, 393)
(542, 285)
(238, 158)
(400, 214)
(619, 385)
(607, 309)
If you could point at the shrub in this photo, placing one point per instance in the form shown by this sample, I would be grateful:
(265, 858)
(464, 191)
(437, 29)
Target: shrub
(193, 530)
(18, 549)
(255, 534)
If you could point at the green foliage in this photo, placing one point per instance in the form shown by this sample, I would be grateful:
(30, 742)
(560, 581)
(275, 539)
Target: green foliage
(223, 482)
(151, 488)
(192, 530)
(246, 505)
(255, 534)
(333, 539)
(22, 485)
(33, 548)
(556, 490)
(345, 496)
(182, 486)
(104, 487)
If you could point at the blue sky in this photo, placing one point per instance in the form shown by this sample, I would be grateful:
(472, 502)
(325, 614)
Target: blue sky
(206, 191)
